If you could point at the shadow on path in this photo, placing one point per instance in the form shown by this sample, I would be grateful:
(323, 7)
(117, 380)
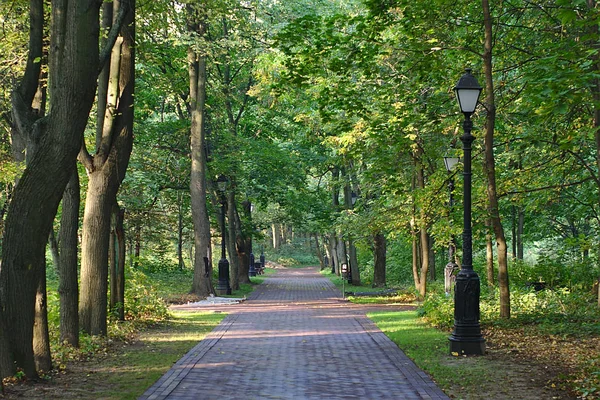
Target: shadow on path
(295, 338)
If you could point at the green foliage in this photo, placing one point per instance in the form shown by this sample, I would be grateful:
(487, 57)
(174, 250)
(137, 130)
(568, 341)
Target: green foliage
(559, 311)
(293, 254)
(142, 302)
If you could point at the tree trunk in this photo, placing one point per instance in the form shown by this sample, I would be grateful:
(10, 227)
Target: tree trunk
(380, 245)
(117, 263)
(202, 284)
(491, 168)
(431, 246)
(94, 254)
(335, 262)
(489, 259)
(318, 252)
(513, 212)
(276, 235)
(68, 285)
(53, 243)
(521, 224)
(41, 336)
(180, 231)
(234, 262)
(421, 284)
(106, 170)
(73, 66)
(243, 243)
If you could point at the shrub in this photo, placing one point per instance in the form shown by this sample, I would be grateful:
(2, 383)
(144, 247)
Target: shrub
(141, 299)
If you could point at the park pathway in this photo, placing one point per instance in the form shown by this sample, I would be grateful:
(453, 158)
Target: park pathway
(295, 338)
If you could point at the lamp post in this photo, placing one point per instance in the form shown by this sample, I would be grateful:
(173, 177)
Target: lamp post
(252, 269)
(223, 283)
(466, 337)
(450, 162)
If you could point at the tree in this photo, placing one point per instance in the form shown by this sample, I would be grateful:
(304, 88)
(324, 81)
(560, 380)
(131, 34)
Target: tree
(197, 27)
(56, 139)
(106, 168)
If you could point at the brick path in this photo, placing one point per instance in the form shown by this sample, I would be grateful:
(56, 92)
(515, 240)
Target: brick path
(295, 338)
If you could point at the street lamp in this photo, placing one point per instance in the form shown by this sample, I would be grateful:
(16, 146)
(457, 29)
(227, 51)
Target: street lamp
(466, 337)
(223, 283)
(450, 162)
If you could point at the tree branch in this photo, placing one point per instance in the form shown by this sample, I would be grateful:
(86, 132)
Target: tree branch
(539, 189)
(113, 34)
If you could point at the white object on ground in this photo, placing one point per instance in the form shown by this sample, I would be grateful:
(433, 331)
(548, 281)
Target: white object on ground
(214, 300)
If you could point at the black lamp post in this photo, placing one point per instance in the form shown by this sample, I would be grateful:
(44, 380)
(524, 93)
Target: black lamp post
(450, 162)
(466, 337)
(252, 268)
(223, 283)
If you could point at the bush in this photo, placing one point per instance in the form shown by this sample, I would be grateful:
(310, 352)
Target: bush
(557, 311)
(141, 299)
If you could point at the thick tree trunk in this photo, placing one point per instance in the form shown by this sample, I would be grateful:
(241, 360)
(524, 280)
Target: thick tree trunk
(94, 254)
(68, 285)
(73, 66)
(380, 249)
(106, 170)
(491, 168)
(202, 284)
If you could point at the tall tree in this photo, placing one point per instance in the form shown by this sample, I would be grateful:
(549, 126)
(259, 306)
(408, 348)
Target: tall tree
(490, 106)
(197, 27)
(56, 139)
(106, 168)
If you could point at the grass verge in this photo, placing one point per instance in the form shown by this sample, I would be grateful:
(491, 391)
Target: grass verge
(124, 370)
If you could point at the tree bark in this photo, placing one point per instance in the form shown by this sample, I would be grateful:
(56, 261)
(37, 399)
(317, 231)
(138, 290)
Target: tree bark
(41, 335)
(56, 139)
(117, 263)
(520, 227)
(421, 273)
(202, 284)
(244, 242)
(68, 285)
(180, 231)
(106, 170)
(234, 261)
(318, 252)
(489, 259)
(491, 168)
(380, 250)
(431, 247)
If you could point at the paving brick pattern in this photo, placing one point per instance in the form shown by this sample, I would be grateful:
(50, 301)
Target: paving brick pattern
(295, 338)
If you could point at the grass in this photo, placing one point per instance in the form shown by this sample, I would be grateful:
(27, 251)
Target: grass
(403, 297)
(459, 377)
(155, 352)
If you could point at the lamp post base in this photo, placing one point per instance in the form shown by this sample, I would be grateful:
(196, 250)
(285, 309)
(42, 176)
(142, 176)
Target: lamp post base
(223, 283)
(467, 347)
(466, 337)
